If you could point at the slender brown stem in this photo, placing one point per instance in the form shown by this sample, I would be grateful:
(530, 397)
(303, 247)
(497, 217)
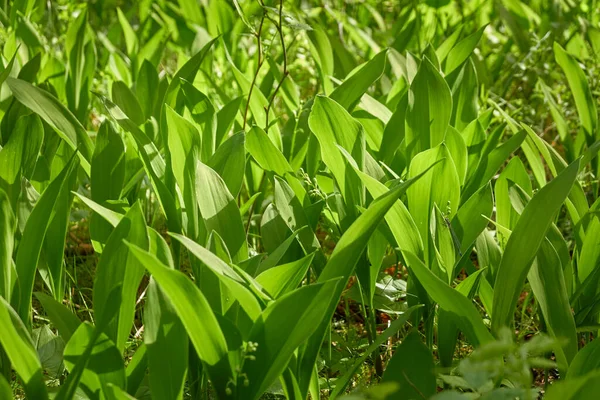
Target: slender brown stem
(260, 62)
(279, 27)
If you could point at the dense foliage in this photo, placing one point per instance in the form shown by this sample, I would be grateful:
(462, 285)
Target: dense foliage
(244, 199)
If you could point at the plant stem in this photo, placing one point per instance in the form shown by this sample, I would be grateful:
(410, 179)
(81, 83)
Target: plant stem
(279, 27)
(260, 62)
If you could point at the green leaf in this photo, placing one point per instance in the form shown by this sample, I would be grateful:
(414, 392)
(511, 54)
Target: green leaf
(348, 94)
(145, 87)
(460, 307)
(6, 71)
(102, 365)
(412, 368)
(284, 278)
(57, 116)
(131, 40)
(321, 50)
(463, 49)
(584, 387)
(294, 216)
(195, 314)
(6, 391)
(470, 220)
(265, 153)
(586, 361)
(220, 212)
(505, 214)
(117, 267)
(61, 317)
(333, 126)
(30, 247)
(229, 161)
(489, 163)
(427, 191)
(167, 345)
(585, 102)
(19, 155)
(548, 284)
(283, 326)
(126, 100)
(107, 182)
(16, 343)
(465, 95)
(342, 382)
(7, 231)
(525, 241)
(341, 264)
(447, 323)
(429, 109)
(231, 278)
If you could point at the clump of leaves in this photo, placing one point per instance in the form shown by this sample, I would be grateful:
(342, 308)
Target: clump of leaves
(500, 369)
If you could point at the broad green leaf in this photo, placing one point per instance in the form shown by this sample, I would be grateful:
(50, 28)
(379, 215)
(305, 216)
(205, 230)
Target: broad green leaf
(348, 94)
(7, 231)
(429, 109)
(102, 365)
(117, 267)
(131, 40)
(32, 242)
(17, 345)
(470, 220)
(292, 212)
(505, 215)
(19, 155)
(463, 49)
(548, 284)
(204, 115)
(61, 317)
(448, 44)
(167, 345)
(126, 100)
(586, 105)
(525, 241)
(6, 71)
(586, 361)
(220, 212)
(57, 116)
(284, 325)
(145, 87)
(460, 307)
(342, 382)
(447, 324)
(136, 369)
(321, 50)
(284, 278)
(465, 95)
(107, 182)
(265, 153)
(459, 152)
(341, 264)
(583, 387)
(490, 163)
(236, 283)
(6, 391)
(333, 126)
(412, 368)
(195, 314)
(427, 191)
(229, 161)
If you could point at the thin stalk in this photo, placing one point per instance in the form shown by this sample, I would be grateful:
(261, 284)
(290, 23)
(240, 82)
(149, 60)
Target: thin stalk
(279, 26)
(260, 63)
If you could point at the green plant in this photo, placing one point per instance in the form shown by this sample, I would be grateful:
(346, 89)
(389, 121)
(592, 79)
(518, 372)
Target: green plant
(269, 195)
